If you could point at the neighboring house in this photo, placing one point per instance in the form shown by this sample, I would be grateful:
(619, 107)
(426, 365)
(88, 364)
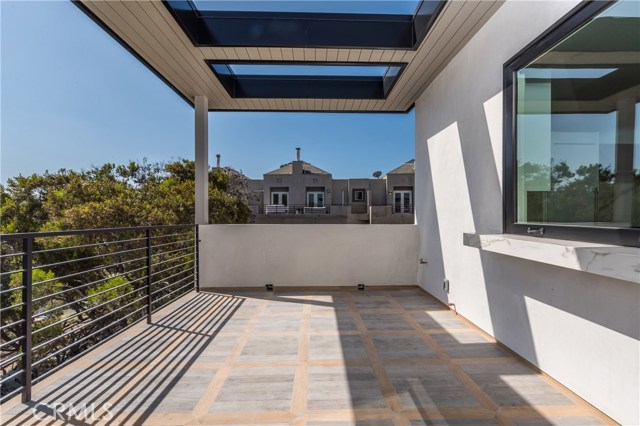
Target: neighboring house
(299, 192)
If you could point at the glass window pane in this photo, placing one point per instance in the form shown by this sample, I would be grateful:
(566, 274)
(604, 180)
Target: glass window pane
(390, 7)
(578, 143)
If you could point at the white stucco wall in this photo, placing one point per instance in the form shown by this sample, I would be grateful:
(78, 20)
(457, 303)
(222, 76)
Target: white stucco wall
(308, 255)
(580, 328)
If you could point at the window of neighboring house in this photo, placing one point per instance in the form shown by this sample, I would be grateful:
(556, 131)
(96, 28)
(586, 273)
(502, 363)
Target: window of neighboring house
(403, 201)
(281, 198)
(315, 199)
(358, 195)
(572, 135)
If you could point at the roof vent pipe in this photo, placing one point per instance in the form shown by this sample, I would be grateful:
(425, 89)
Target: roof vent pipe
(218, 160)
(297, 154)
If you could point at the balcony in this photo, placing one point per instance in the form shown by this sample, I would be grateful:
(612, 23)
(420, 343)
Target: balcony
(306, 354)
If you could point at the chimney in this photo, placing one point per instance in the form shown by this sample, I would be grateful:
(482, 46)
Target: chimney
(218, 160)
(297, 154)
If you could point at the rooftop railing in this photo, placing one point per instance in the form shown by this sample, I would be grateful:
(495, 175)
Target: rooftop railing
(62, 293)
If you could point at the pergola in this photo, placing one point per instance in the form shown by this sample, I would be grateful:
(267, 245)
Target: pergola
(239, 60)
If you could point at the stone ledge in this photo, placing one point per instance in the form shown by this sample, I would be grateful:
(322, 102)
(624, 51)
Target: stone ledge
(618, 262)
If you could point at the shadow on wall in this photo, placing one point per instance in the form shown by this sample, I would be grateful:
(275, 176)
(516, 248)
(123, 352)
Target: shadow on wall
(513, 299)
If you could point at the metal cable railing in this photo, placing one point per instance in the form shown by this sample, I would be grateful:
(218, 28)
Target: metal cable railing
(64, 292)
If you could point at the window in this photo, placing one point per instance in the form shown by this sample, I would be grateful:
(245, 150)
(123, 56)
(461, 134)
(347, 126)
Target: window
(403, 201)
(315, 199)
(358, 195)
(281, 198)
(572, 141)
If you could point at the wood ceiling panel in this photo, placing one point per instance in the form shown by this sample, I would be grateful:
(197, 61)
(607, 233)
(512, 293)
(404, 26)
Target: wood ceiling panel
(150, 30)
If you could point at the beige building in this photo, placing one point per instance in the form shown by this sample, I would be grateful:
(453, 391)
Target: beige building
(299, 192)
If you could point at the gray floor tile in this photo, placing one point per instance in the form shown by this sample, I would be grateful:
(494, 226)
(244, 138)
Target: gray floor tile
(445, 320)
(343, 387)
(402, 346)
(468, 345)
(336, 348)
(429, 386)
(512, 385)
(270, 348)
(255, 389)
(375, 322)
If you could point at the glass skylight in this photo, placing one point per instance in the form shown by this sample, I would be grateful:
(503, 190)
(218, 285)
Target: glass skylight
(383, 7)
(312, 81)
(309, 70)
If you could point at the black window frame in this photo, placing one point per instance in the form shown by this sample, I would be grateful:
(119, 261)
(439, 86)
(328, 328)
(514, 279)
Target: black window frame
(571, 22)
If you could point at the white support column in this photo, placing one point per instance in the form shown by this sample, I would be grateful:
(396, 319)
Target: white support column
(201, 106)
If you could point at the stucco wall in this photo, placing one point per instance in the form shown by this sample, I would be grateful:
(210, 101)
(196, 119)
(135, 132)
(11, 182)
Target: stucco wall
(308, 255)
(580, 328)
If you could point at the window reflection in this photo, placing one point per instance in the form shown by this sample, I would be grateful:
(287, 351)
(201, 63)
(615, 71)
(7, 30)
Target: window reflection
(578, 126)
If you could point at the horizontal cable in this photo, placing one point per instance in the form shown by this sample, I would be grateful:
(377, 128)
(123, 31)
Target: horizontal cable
(21, 235)
(155, 237)
(171, 276)
(64, 262)
(8, 308)
(174, 291)
(103, 243)
(173, 267)
(10, 342)
(172, 284)
(12, 289)
(73, 358)
(171, 260)
(85, 325)
(17, 271)
(11, 394)
(11, 376)
(91, 296)
(4, 256)
(67, 290)
(173, 251)
(157, 308)
(10, 360)
(75, 274)
(77, 314)
(12, 324)
(190, 240)
(40, 361)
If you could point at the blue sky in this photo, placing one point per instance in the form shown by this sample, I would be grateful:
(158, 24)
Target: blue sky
(72, 97)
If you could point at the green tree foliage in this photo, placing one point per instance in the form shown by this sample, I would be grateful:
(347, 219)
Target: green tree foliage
(86, 287)
(585, 194)
(135, 194)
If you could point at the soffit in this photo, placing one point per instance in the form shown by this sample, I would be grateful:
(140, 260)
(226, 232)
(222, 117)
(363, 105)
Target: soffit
(152, 34)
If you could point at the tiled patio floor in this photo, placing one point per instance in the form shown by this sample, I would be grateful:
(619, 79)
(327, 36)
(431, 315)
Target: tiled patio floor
(317, 357)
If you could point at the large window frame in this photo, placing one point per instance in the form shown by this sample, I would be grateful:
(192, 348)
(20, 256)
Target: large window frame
(577, 17)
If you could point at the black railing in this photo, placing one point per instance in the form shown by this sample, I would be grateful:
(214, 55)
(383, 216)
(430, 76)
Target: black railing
(279, 209)
(300, 209)
(64, 292)
(402, 208)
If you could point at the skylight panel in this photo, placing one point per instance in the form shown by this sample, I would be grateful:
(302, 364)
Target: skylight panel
(382, 7)
(307, 80)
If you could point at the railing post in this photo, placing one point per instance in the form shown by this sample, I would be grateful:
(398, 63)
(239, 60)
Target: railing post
(148, 235)
(197, 266)
(27, 316)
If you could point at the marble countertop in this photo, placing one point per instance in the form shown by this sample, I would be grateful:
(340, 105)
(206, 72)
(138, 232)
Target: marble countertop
(618, 262)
